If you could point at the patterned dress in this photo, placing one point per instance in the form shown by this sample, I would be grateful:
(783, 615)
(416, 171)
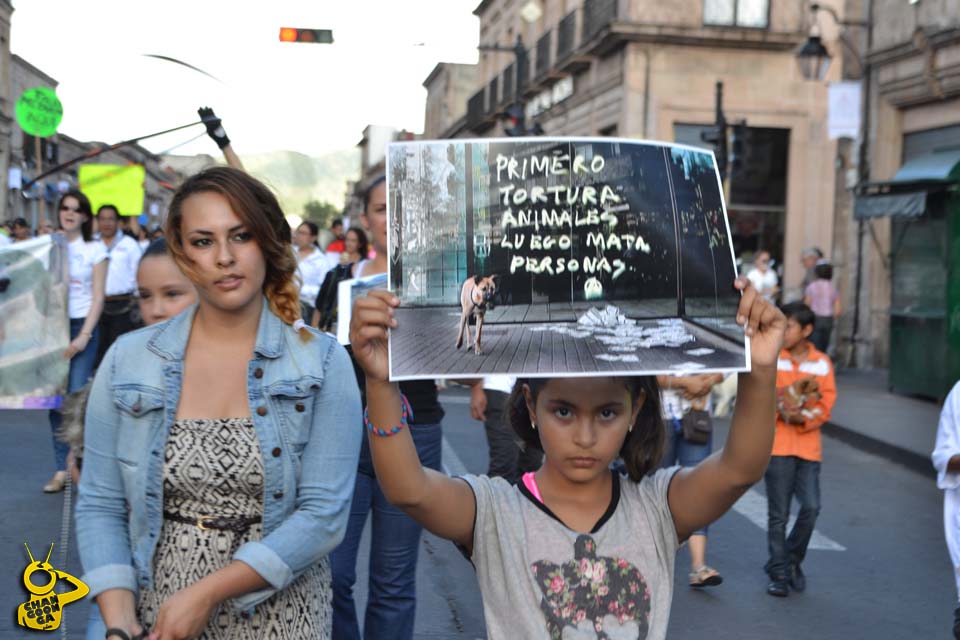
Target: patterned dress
(214, 467)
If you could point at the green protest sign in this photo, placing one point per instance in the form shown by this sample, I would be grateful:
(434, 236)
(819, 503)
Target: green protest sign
(39, 112)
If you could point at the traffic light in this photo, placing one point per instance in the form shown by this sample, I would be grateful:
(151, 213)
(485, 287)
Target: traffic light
(716, 136)
(739, 146)
(316, 36)
(515, 125)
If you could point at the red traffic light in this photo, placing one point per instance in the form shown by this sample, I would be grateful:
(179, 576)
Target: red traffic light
(320, 36)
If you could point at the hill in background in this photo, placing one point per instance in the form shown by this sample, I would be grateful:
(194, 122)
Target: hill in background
(297, 178)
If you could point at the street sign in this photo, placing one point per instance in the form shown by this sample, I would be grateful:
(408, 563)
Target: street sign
(39, 112)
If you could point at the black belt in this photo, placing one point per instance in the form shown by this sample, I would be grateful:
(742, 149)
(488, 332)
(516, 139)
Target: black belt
(122, 297)
(237, 524)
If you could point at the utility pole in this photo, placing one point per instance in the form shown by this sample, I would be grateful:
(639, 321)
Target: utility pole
(717, 134)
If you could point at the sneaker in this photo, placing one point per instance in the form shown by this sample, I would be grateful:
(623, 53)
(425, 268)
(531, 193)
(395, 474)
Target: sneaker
(778, 588)
(798, 581)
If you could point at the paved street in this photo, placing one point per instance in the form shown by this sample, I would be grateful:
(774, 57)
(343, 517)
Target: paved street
(890, 580)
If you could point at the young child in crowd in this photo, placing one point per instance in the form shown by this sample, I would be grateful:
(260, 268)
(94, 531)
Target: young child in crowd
(805, 396)
(824, 300)
(946, 459)
(575, 548)
(163, 292)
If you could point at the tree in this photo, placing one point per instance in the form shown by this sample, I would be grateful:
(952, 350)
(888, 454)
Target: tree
(321, 213)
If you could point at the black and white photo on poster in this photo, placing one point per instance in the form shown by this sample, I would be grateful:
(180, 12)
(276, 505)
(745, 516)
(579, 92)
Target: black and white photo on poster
(559, 256)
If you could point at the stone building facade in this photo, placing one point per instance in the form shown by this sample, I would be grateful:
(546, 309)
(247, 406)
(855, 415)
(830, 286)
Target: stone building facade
(448, 87)
(648, 69)
(913, 69)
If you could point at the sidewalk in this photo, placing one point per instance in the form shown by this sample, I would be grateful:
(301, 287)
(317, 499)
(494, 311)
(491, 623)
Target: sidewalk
(897, 427)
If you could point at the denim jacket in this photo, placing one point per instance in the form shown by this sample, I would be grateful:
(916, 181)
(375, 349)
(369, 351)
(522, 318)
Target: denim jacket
(305, 407)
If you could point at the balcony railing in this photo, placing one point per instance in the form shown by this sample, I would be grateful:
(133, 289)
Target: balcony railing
(543, 54)
(509, 83)
(597, 15)
(492, 97)
(566, 34)
(475, 110)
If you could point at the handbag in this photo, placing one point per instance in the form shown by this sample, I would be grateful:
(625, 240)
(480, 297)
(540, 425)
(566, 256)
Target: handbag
(326, 303)
(697, 426)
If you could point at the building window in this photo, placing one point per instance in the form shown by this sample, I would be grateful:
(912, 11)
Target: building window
(737, 13)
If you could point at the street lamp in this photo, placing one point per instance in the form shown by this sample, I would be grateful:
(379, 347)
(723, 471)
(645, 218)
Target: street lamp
(813, 58)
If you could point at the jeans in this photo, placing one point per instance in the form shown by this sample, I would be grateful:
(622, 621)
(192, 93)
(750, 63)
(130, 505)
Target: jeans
(81, 369)
(509, 458)
(394, 545)
(822, 329)
(786, 477)
(676, 450)
(118, 318)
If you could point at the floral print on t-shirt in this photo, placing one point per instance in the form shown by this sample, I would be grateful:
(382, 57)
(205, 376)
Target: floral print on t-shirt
(593, 597)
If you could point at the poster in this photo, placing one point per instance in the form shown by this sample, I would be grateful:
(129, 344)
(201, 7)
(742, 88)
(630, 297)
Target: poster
(565, 256)
(119, 185)
(347, 292)
(34, 330)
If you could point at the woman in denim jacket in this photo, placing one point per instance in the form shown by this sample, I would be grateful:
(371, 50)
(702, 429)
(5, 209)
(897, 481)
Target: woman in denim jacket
(220, 445)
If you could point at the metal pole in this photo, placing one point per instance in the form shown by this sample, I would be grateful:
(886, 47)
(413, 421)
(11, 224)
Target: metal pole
(863, 167)
(38, 155)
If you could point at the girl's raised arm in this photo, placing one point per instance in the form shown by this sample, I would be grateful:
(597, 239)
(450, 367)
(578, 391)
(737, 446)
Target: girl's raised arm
(699, 495)
(444, 506)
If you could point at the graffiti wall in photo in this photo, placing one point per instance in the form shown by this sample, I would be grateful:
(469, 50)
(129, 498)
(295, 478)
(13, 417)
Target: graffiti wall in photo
(561, 233)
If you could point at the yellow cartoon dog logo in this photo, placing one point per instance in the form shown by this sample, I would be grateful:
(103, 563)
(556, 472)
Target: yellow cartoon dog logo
(43, 611)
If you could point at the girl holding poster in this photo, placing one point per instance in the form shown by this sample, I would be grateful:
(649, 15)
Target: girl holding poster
(575, 547)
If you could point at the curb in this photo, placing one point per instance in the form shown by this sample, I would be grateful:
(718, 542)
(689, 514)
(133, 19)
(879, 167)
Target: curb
(910, 459)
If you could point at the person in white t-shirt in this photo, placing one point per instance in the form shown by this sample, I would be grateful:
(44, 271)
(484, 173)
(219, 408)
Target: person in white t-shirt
(509, 457)
(120, 313)
(763, 278)
(88, 278)
(312, 265)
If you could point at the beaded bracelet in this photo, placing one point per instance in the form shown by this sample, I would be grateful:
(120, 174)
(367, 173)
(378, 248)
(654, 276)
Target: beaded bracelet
(405, 416)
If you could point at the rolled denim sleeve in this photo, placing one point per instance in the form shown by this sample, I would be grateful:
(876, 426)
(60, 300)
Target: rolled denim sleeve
(325, 487)
(102, 527)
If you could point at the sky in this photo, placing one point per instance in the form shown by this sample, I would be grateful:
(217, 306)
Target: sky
(311, 98)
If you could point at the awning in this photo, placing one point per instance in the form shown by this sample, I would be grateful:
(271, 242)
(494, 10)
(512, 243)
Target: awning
(906, 194)
(941, 166)
(907, 205)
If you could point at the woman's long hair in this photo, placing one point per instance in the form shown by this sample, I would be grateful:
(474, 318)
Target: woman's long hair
(83, 203)
(259, 210)
(363, 245)
(642, 449)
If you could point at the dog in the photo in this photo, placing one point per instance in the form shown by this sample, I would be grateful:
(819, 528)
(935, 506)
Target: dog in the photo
(476, 297)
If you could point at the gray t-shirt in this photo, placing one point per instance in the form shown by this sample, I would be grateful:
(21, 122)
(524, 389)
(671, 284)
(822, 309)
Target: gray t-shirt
(540, 579)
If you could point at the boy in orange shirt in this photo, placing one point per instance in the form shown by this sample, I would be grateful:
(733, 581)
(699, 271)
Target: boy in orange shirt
(806, 392)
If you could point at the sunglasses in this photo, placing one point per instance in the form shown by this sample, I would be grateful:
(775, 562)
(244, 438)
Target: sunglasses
(64, 207)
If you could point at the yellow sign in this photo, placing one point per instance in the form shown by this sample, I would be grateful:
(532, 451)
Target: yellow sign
(121, 186)
(44, 610)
